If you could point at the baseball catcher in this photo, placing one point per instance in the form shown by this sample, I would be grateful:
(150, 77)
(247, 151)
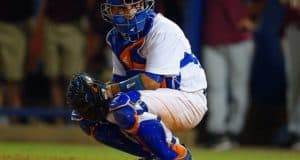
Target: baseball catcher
(158, 85)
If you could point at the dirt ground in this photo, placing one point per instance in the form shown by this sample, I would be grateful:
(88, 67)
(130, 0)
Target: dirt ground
(44, 133)
(65, 134)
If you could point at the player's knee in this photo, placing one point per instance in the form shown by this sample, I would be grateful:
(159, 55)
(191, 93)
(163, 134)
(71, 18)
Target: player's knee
(126, 117)
(124, 99)
(122, 106)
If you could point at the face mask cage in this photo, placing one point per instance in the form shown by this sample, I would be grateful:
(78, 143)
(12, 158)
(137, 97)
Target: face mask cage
(128, 27)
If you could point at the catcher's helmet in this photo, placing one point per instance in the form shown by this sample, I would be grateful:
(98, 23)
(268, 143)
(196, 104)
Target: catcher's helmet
(127, 16)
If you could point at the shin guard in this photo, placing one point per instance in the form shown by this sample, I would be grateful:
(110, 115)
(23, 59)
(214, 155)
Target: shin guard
(112, 136)
(152, 134)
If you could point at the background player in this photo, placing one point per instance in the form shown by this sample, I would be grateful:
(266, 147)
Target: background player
(158, 85)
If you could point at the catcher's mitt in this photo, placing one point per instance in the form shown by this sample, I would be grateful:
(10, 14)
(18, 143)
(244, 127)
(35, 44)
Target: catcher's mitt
(87, 96)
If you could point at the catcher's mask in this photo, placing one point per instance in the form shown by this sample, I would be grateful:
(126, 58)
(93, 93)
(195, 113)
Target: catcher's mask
(84, 96)
(127, 16)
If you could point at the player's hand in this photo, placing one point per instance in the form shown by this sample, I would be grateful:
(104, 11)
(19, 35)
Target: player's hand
(246, 24)
(87, 96)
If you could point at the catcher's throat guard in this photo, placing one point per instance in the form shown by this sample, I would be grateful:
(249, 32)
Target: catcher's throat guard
(87, 96)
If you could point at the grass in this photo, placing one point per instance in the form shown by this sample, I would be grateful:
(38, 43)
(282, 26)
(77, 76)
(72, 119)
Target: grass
(46, 151)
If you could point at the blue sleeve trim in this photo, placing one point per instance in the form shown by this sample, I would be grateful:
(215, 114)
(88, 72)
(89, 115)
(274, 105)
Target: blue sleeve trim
(158, 78)
(188, 58)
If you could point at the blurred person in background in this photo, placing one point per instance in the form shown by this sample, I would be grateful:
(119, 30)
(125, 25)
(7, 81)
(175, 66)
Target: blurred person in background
(227, 55)
(15, 30)
(292, 56)
(65, 29)
(99, 61)
(268, 82)
(277, 38)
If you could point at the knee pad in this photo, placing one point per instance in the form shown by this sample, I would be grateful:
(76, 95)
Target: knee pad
(126, 108)
(123, 99)
(123, 109)
(126, 117)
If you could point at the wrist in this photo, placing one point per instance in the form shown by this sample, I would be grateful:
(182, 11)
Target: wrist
(112, 89)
